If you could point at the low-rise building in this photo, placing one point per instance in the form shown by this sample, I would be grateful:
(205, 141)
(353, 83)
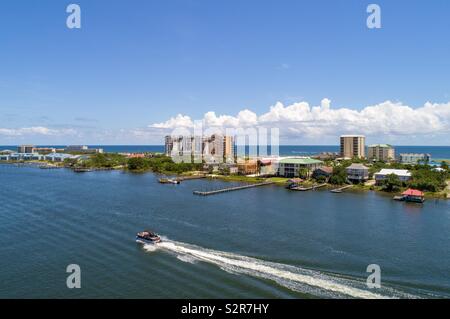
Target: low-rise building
(403, 174)
(6, 152)
(45, 150)
(412, 158)
(357, 173)
(325, 171)
(22, 157)
(381, 152)
(291, 166)
(58, 157)
(83, 149)
(326, 156)
(247, 167)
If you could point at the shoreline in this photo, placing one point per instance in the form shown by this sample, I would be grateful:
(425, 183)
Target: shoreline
(277, 181)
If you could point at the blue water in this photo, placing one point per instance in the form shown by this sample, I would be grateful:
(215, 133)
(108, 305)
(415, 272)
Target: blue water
(264, 242)
(437, 152)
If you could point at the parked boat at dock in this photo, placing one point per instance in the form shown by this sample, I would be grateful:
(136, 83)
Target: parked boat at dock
(169, 181)
(82, 170)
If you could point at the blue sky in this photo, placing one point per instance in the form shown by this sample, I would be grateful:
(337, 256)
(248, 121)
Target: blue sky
(136, 63)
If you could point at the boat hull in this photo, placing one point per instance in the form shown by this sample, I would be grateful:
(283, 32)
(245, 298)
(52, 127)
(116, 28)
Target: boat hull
(147, 241)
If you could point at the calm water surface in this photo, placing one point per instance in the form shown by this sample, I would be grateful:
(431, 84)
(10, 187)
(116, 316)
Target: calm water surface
(262, 242)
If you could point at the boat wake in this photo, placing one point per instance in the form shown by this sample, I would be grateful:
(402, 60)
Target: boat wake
(294, 278)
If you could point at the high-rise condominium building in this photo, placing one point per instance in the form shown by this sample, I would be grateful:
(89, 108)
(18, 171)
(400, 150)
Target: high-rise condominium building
(381, 152)
(353, 146)
(26, 149)
(212, 149)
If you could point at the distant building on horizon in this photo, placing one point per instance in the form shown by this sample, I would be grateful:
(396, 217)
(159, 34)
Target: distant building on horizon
(83, 149)
(353, 146)
(381, 152)
(26, 149)
(412, 158)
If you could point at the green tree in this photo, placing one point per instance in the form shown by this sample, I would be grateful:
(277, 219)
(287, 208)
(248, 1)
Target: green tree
(303, 172)
(339, 175)
(138, 164)
(391, 183)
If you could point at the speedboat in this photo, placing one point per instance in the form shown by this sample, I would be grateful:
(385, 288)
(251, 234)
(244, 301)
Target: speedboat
(147, 237)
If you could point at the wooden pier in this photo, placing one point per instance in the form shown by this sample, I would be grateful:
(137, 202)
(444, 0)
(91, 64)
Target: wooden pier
(230, 189)
(187, 178)
(304, 189)
(340, 189)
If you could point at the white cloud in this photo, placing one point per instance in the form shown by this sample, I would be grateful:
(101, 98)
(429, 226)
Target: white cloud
(302, 120)
(35, 130)
(178, 121)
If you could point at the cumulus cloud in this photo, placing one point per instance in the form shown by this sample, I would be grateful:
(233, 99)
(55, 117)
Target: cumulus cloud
(35, 130)
(178, 121)
(387, 118)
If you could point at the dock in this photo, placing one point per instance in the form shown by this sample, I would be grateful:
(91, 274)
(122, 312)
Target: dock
(187, 178)
(304, 189)
(230, 189)
(340, 189)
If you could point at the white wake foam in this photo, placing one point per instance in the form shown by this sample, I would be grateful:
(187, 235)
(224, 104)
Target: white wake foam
(294, 278)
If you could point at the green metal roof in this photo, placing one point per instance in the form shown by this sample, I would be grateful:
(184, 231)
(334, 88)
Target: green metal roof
(301, 161)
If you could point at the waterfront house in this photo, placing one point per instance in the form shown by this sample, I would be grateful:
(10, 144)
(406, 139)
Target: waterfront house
(291, 166)
(381, 152)
(4, 157)
(247, 167)
(411, 158)
(413, 195)
(357, 173)
(325, 171)
(403, 174)
(268, 166)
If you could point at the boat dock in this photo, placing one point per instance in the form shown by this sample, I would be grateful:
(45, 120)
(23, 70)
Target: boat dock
(187, 178)
(340, 189)
(304, 189)
(230, 189)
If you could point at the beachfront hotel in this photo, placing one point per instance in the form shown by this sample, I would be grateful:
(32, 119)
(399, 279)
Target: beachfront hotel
(353, 146)
(381, 152)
